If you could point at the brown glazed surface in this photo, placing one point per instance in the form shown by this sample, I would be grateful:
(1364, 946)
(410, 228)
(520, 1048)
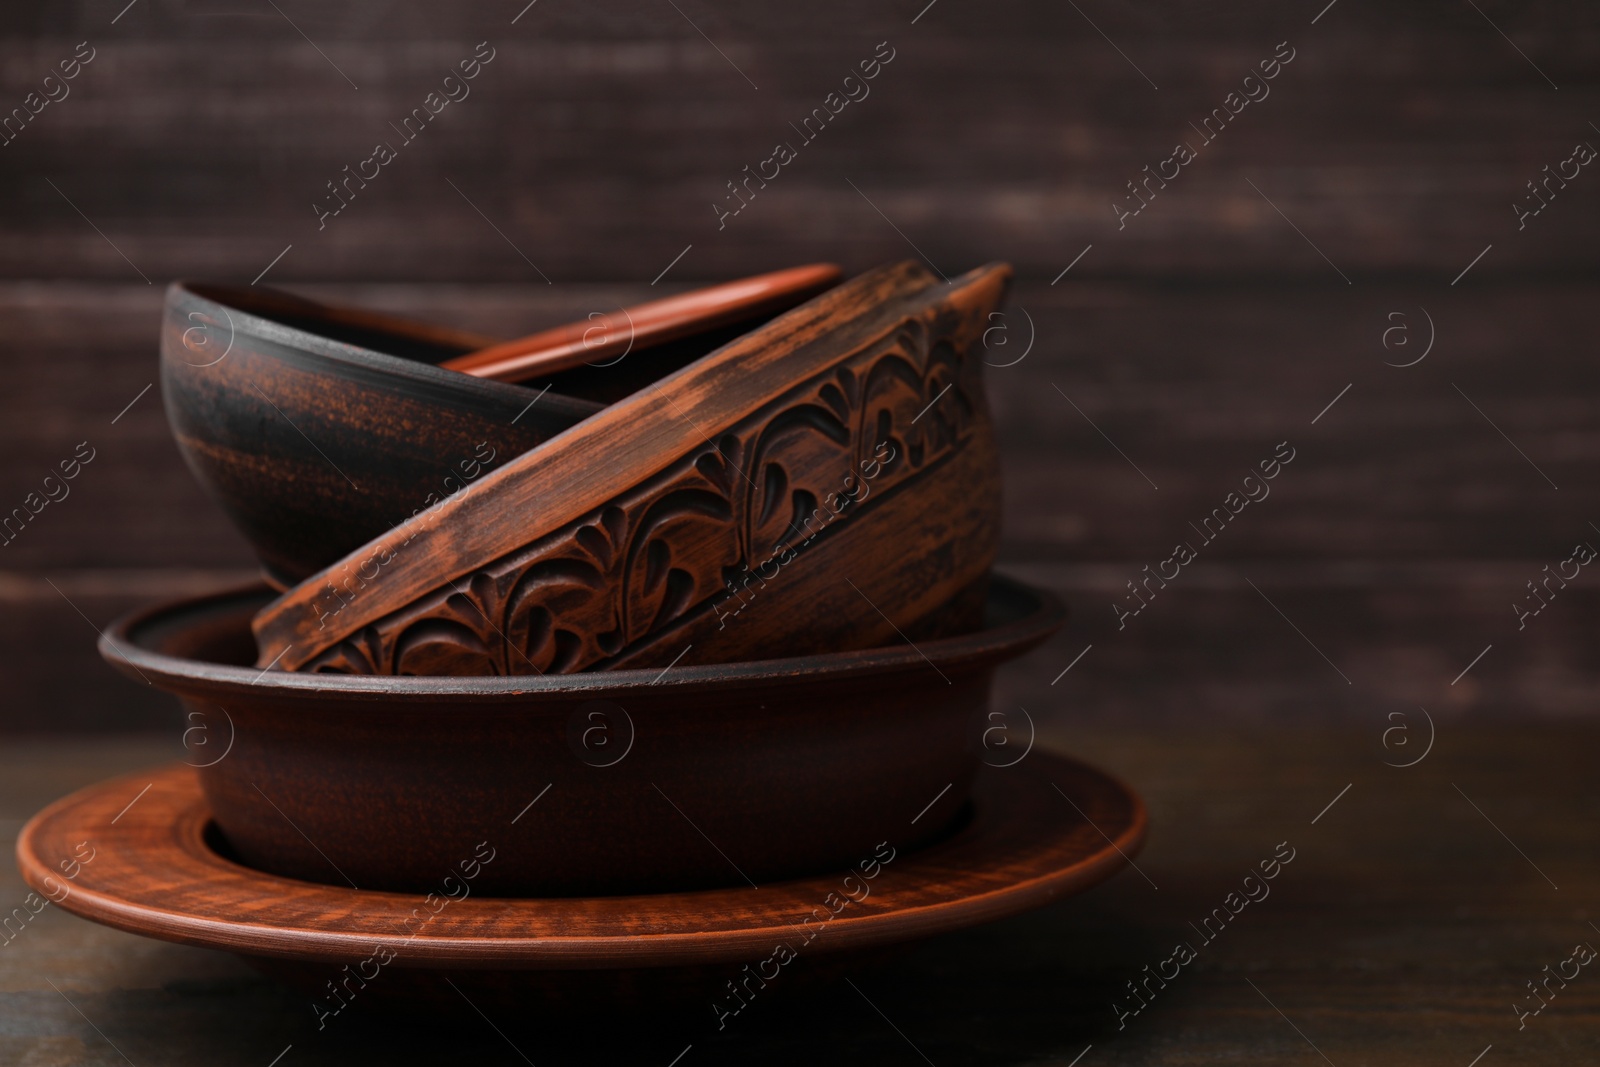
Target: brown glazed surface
(711, 512)
(317, 429)
(639, 780)
(155, 872)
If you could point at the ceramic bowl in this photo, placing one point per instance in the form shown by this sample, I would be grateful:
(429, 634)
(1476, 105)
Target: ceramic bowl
(587, 783)
(318, 428)
(829, 481)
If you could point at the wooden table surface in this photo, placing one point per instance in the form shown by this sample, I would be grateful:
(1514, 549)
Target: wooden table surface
(1415, 909)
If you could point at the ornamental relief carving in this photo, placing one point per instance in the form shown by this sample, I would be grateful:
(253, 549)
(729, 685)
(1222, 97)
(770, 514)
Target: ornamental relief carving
(649, 560)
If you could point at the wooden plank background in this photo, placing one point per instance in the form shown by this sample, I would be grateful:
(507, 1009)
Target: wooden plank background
(1196, 338)
(598, 138)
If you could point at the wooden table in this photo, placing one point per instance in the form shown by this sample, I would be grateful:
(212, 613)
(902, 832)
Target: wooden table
(1419, 902)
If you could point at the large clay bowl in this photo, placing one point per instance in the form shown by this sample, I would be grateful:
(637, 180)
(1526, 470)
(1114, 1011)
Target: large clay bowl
(319, 428)
(600, 782)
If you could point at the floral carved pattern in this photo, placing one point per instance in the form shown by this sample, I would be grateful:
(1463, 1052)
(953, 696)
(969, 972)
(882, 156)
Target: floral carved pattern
(647, 561)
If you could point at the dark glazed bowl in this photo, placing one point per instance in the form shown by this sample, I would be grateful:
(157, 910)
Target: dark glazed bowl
(319, 428)
(588, 783)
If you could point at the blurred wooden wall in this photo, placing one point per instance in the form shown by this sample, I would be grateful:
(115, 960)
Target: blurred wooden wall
(598, 138)
(1217, 322)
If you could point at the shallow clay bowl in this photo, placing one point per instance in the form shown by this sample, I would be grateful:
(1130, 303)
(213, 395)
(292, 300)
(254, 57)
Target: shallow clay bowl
(319, 428)
(600, 782)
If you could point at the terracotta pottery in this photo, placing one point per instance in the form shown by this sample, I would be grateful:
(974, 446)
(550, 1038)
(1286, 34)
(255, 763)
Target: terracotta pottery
(605, 339)
(1035, 833)
(318, 428)
(828, 481)
(597, 782)
(316, 433)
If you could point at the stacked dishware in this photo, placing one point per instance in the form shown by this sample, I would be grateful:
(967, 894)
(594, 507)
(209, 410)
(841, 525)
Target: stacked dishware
(630, 650)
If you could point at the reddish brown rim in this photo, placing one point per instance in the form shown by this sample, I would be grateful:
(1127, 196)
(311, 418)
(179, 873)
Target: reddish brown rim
(1027, 616)
(153, 874)
(645, 325)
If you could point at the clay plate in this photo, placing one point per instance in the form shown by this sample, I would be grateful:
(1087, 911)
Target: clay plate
(1035, 832)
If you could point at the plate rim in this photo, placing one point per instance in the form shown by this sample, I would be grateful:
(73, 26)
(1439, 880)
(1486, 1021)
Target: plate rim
(1066, 875)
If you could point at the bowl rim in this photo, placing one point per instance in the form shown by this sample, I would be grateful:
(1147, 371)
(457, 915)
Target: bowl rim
(124, 645)
(308, 344)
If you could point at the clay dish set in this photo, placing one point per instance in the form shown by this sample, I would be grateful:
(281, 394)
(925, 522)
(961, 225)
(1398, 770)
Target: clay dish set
(627, 639)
